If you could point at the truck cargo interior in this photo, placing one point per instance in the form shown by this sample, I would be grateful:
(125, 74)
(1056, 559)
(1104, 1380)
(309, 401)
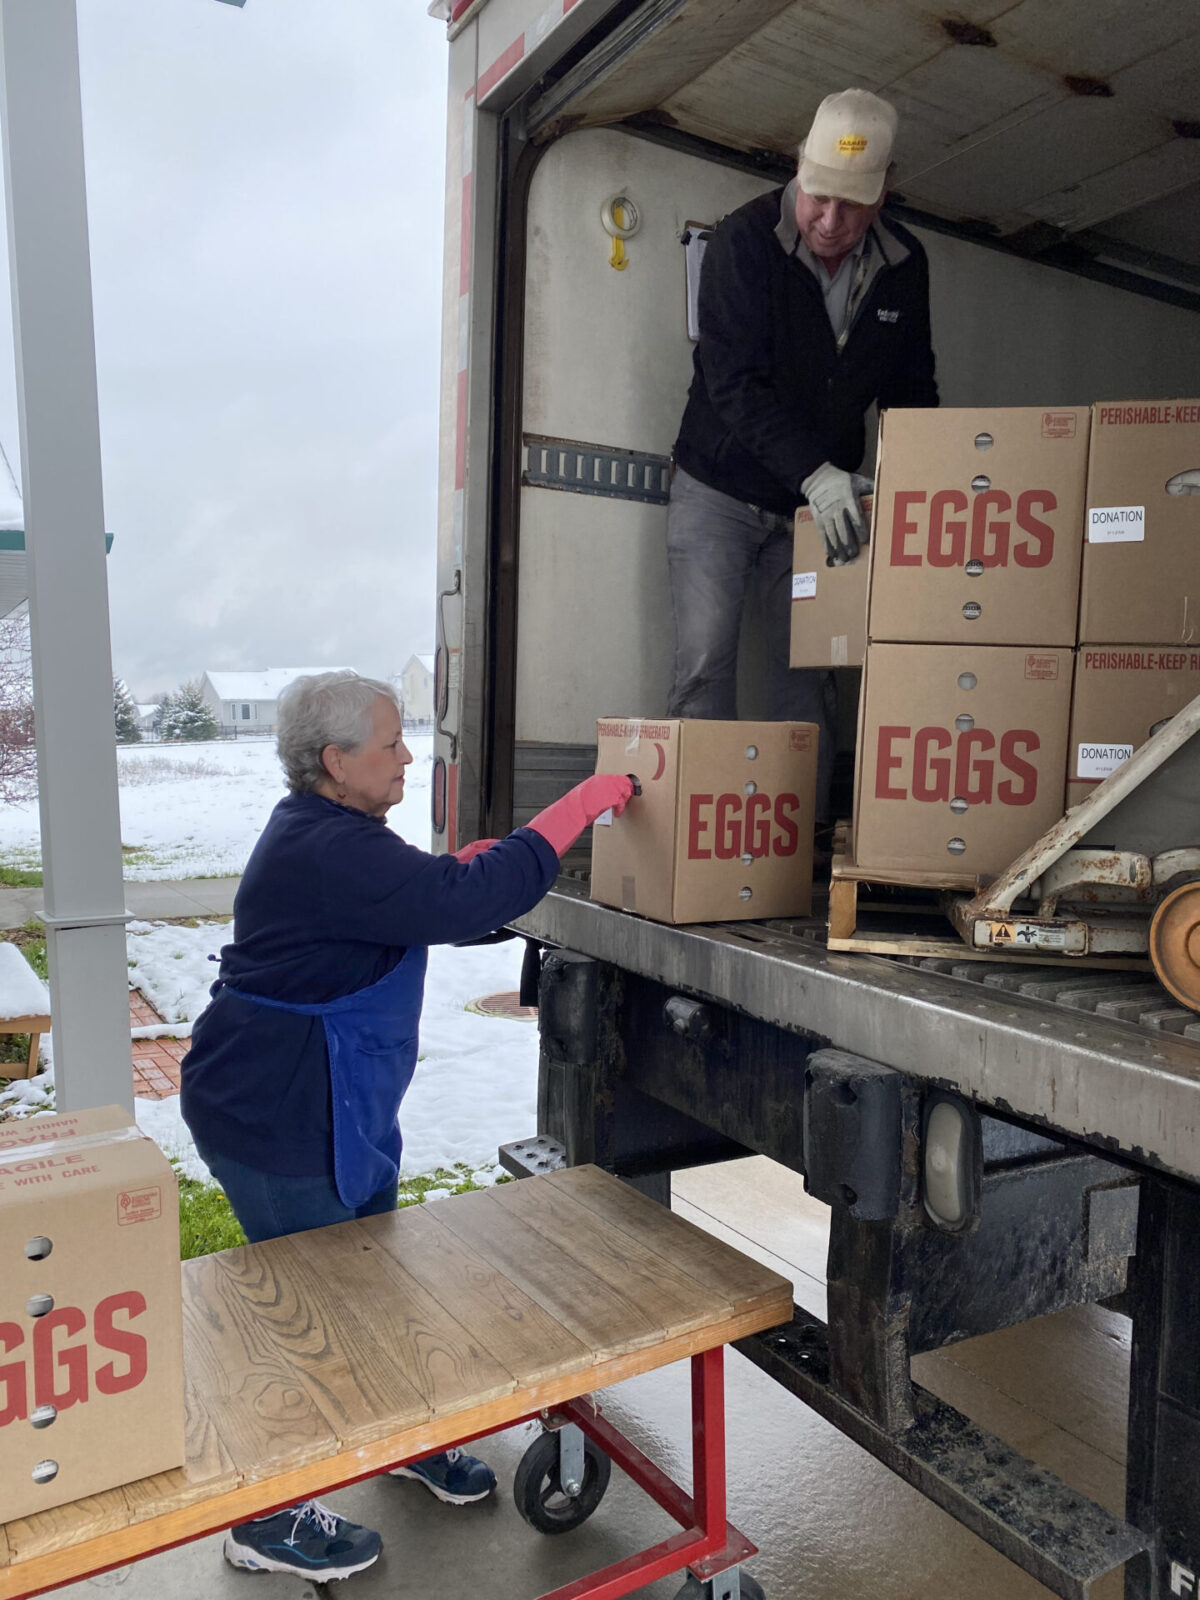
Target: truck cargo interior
(1045, 164)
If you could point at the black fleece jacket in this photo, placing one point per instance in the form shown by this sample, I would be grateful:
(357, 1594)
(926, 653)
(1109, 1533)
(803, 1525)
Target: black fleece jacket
(772, 397)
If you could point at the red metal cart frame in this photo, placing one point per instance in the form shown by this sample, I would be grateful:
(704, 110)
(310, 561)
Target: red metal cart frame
(707, 1545)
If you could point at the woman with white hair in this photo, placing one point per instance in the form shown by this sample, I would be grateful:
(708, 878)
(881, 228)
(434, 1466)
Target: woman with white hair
(293, 1083)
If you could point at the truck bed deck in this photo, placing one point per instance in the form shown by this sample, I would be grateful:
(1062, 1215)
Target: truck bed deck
(1125, 1089)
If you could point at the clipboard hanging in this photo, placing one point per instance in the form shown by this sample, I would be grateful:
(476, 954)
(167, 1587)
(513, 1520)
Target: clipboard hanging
(694, 239)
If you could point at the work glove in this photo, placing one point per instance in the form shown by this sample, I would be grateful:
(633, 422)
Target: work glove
(562, 823)
(470, 851)
(834, 497)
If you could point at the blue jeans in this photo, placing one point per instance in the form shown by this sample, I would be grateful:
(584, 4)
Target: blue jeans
(268, 1204)
(714, 543)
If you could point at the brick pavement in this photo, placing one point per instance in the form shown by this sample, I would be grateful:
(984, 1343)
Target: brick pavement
(155, 1061)
(141, 1013)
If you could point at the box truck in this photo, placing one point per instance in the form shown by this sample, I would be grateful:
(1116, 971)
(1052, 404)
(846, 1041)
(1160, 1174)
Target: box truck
(993, 1144)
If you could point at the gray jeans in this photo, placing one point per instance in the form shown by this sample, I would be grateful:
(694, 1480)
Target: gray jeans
(714, 543)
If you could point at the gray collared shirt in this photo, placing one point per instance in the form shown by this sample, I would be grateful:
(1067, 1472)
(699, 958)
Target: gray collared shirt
(844, 290)
(836, 287)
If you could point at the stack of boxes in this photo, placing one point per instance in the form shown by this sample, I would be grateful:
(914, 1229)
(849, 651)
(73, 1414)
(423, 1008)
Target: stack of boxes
(1027, 615)
(1139, 615)
(1032, 613)
(971, 626)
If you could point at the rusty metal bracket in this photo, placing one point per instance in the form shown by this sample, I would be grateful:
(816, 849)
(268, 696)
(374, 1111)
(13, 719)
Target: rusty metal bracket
(1095, 875)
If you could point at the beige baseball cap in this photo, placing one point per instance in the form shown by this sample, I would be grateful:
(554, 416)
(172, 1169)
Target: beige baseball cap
(849, 147)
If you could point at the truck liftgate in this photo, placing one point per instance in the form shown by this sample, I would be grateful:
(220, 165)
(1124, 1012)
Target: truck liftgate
(988, 1156)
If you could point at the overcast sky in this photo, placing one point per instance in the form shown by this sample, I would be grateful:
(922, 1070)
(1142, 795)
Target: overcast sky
(265, 196)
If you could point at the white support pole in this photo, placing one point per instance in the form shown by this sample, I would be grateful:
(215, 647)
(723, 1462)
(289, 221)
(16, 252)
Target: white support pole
(42, 126)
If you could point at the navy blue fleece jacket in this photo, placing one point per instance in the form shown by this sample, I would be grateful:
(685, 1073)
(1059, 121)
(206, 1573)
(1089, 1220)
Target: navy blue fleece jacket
(329, 902)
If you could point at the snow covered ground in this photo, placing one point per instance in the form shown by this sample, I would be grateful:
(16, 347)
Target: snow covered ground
(476, 1082)
(196, 810)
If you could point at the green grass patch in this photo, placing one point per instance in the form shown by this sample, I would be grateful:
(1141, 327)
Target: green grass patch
(134, 856)
(21, 868)
(207, 1222)
(30, 940)
(37, 1085)
(21, 877)
(455, 1180)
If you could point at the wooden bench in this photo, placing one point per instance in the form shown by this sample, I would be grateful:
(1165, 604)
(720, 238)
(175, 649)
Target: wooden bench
(19, 978)
(319, 1359)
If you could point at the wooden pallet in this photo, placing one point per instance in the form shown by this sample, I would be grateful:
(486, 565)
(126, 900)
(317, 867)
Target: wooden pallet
(908, 924)
(868, 916)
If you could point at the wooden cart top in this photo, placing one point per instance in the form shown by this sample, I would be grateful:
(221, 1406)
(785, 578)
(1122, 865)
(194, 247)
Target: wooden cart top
(326, 1356)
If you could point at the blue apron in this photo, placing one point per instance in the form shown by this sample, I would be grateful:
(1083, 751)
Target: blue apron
(371, 1036)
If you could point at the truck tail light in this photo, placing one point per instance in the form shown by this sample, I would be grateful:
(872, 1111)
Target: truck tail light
(952, 1162)
(438, 800)
(441, 684)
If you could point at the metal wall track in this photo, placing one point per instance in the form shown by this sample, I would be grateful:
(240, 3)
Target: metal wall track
(607, 470)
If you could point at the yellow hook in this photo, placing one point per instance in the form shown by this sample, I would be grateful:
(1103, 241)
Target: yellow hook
(621, 220)
(618, 259)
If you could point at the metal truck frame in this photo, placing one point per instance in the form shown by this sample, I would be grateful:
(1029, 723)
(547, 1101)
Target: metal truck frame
(989, 1152)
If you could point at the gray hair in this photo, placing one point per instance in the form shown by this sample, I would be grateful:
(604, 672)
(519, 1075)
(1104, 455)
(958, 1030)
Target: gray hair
(327, 708)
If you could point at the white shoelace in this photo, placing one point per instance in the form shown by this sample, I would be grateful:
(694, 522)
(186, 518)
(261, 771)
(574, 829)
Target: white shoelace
(321, 1517)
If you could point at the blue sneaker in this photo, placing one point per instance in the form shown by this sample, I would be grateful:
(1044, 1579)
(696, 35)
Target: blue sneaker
(307, 1540)
(452, 1475)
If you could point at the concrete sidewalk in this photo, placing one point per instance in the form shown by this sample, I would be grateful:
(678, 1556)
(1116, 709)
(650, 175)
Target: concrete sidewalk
(192, 897)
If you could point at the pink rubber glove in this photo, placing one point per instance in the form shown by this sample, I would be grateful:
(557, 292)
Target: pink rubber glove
(562, 823)
(470, 851)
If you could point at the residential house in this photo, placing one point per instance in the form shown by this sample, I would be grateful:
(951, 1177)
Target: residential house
(415, 686)
(244, 702)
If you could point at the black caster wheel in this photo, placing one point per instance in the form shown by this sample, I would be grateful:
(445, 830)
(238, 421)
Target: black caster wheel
(540, 1496)
(717, 1589)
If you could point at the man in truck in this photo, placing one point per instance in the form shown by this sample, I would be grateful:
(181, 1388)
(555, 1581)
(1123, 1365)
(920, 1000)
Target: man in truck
(812, 308)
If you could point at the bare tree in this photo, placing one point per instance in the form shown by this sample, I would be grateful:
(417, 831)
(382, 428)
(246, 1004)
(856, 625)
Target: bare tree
(18, 754)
